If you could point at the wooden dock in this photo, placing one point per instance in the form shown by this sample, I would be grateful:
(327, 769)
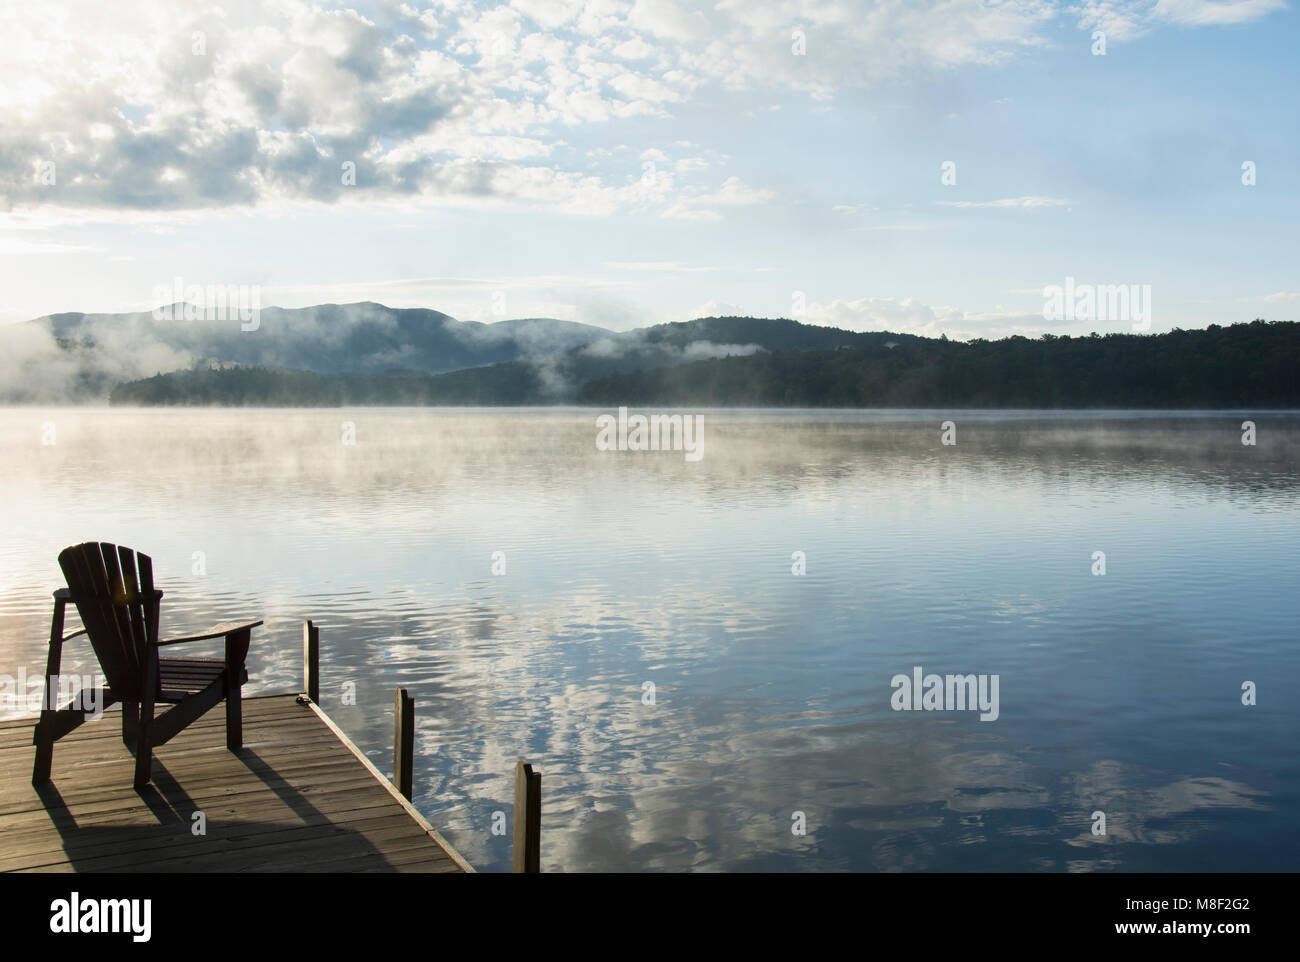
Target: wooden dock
(298, 797)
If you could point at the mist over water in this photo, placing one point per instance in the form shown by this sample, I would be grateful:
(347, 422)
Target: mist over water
(1119, 693)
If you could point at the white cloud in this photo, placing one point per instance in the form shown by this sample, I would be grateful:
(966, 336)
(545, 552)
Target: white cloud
(1214, 12)
(548, 13)
(910, 316)
(460, 103)
(634, 49)
(1032, 201)
(716, 308)
(668, 20)
(659, 266)
(1119, 20)
(733, 193)
(891, 227)
(1129, 19)
(698, 204)
(18, 245)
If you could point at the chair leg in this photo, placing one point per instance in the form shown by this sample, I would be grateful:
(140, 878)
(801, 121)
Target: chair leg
(45, 728)
(144, 728)
(234, 714)
(44, 752)
(144, 752)
(130, 722)
(236, 651)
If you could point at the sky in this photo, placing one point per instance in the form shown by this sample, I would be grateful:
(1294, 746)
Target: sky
(921, 166)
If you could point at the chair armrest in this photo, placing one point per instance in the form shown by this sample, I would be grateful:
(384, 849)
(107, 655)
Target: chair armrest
(65, 595)
(216, 631)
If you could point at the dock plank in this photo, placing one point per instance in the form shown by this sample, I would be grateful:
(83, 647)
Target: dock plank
(298, 797)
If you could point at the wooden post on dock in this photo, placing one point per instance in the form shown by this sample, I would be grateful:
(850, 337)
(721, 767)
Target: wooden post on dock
(528, 819)
(403, 741)
(311, 661)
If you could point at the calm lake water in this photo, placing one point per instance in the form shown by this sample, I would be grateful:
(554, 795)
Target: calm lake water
(1119, 693)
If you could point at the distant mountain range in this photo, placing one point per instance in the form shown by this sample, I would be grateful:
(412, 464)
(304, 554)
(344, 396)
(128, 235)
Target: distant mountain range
(369, 354)
(77, 357)
(364, 338)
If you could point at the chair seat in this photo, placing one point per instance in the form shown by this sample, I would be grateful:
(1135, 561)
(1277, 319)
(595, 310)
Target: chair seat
(178, 678)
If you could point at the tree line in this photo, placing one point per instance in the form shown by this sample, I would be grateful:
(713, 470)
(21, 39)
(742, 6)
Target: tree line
(1241, 365)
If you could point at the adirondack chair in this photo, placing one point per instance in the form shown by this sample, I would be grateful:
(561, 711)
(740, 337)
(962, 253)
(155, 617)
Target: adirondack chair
(112, 588)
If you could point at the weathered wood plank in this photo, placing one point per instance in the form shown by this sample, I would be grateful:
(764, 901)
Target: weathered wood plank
(106, 853)
(276, 707)
(299, 796)
(106, 728)
(248, 817)
(327, 777)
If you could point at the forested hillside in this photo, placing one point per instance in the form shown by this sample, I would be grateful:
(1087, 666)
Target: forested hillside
(1244, 365)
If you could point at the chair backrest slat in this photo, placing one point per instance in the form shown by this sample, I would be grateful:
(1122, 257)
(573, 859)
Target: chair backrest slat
(118, 613)
(134, 608)
(115, 608)
(84, 571)
(151, 603)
